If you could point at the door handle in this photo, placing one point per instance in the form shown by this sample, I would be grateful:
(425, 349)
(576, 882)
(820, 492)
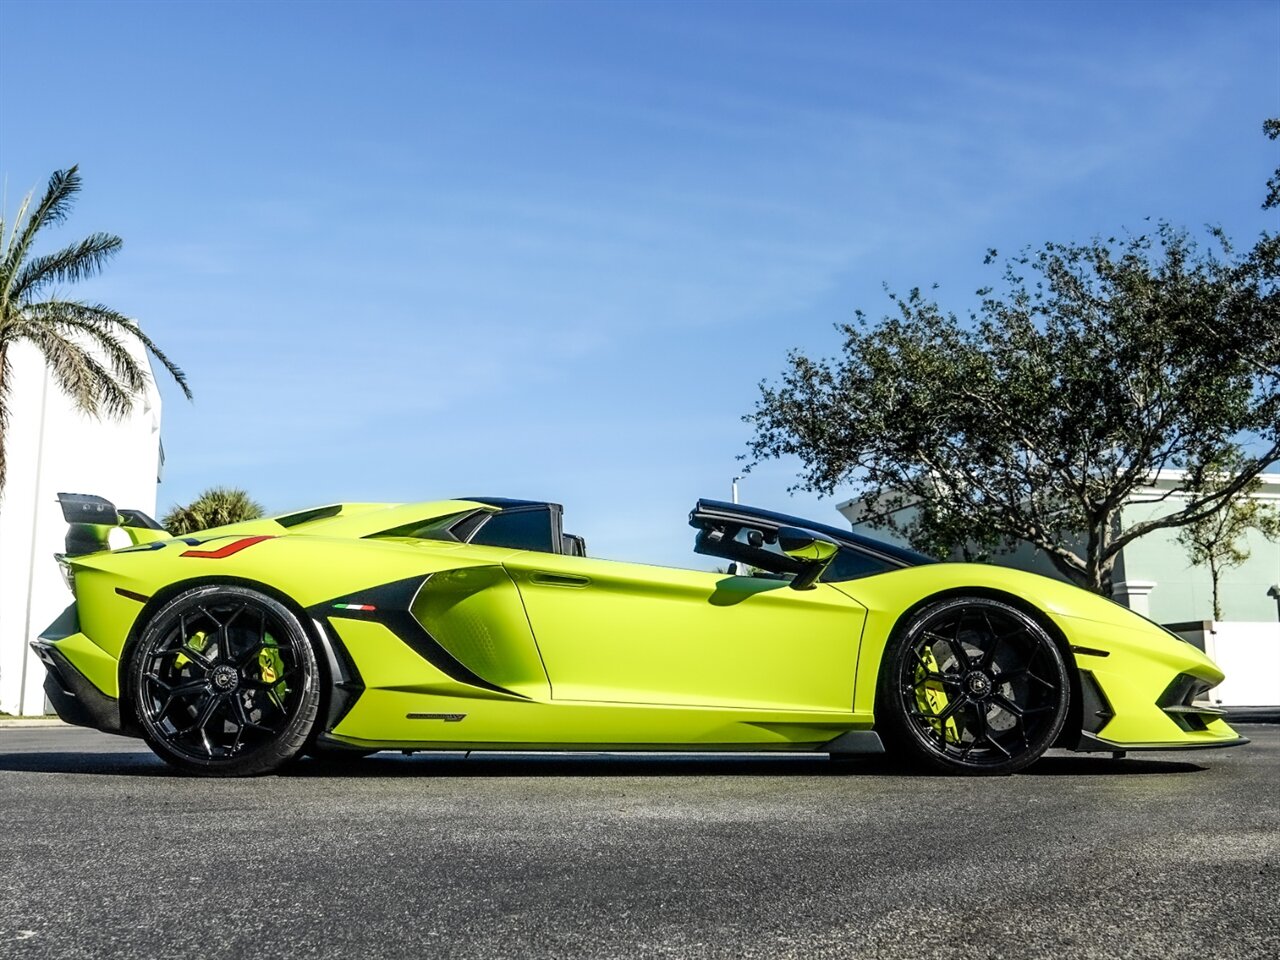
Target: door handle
(558, 579)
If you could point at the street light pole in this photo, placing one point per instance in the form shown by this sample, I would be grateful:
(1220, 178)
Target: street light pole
(735, 488)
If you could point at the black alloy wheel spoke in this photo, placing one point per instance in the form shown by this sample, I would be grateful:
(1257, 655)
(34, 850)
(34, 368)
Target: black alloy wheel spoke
(206, 715)
(1044, 683)
(245, 721)
(223, 641)
(984, 730)
(274, 697)
(936, 638)
(949, 711)
(1008, 705)
(1024, 672)
(239, 720)
(1009, 676)
(960, 654)
(224, 635)
(989, 655)
(943, 678)
(998, 745)
(248, 657)
(256, 647)
(923, 661)
(196, 658)
(182, 690)
(198, 709)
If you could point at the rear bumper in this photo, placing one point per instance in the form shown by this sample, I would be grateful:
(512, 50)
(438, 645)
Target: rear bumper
(73, 696)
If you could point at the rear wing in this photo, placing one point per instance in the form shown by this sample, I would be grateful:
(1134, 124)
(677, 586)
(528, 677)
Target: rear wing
(91, 519)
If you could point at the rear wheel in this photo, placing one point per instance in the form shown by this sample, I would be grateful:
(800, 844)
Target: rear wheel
(973, 685)
(225, 683)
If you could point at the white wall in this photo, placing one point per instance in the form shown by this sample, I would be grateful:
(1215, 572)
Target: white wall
(51, 448)
(1248, 653)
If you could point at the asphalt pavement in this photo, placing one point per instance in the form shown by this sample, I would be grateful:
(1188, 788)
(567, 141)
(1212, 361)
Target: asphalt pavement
(106, 853)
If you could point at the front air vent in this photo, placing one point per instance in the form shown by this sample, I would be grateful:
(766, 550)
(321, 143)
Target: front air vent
(1179, 703)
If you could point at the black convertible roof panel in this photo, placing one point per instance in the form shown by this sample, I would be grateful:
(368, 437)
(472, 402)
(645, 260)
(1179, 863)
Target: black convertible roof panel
(740, 512)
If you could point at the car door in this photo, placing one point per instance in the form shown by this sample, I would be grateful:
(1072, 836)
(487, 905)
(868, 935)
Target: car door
(629, 633)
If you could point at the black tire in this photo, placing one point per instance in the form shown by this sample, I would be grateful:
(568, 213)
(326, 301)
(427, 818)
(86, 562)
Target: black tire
(224, 683)
(972, 685)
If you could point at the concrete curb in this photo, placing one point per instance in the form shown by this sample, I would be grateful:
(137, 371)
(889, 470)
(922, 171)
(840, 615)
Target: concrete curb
(26, 723)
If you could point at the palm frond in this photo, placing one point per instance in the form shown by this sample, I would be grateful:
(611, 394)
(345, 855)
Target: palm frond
(70, 365)
(107, 315)
(66, 317)
(59, 196)
(13, 238)
(100, 316)
(54, 207)
(78, 261)
(91, 386)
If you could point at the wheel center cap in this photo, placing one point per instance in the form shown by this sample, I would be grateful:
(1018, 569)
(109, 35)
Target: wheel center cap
(978, 684)
(224, 678)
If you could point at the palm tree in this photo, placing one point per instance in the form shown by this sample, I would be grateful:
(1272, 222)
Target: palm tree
(215, 507)
(84, 344)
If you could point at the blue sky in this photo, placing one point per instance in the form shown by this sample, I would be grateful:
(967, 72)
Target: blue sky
(410, 250)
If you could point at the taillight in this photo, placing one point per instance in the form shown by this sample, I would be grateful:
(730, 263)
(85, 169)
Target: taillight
(68, 572)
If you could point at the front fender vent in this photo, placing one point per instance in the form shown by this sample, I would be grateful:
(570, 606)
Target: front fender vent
(1095, 708)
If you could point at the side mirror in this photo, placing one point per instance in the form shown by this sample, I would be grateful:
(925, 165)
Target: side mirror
(812, 549)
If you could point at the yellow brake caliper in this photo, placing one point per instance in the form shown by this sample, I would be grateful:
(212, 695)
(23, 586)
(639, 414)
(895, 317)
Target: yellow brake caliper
(931, 696)
(271, 666)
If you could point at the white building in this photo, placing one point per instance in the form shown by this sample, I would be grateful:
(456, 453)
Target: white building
(50, 448)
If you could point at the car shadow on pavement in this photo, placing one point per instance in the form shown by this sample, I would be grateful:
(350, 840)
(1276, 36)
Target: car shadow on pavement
(389, 764)
(1083, 765)
(614, 765)
(140, 764)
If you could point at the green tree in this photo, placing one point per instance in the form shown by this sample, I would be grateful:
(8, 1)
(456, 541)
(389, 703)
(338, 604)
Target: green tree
(216, 507)
(1215, 540)
(1053, 404)
(84, 344)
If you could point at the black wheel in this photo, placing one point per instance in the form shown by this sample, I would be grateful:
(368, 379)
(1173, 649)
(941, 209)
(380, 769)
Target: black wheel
(225, 683)
(973, 685)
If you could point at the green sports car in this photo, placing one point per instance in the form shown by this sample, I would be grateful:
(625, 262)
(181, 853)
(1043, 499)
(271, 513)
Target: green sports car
(478, 624)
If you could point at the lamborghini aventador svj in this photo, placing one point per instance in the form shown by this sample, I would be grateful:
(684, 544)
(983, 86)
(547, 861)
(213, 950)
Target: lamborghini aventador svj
(478, 624)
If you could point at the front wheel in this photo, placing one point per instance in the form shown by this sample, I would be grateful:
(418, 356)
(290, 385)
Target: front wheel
(973, 685)
(225, 683)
